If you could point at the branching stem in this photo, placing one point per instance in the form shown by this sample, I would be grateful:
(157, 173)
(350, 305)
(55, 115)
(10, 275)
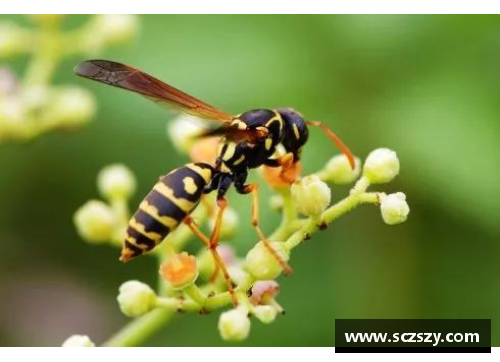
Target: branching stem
(140, 329)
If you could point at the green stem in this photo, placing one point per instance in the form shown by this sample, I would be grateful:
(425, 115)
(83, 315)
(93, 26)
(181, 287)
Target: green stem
(46, 57)
(329, 215)
(178, 304)
(140, 329)
(200, 302)
(361, 185)
(193, 292)
(122, 214)
(289, 217)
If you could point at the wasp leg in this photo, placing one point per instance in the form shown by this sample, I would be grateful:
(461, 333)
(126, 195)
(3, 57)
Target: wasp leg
(338, 142)
(287, 163)
(252, 188)
(219, 263)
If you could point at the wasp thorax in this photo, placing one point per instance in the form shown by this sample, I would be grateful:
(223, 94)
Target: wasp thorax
(265, 122)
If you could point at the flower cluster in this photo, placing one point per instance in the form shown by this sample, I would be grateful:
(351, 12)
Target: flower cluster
(193, 283)
(31, 106)
(105, 221)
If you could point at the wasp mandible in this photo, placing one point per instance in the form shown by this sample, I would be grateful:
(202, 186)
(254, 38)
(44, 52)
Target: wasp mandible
(248, 140)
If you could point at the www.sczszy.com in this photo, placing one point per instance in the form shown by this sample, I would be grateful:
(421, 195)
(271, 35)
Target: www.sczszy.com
(434, 338)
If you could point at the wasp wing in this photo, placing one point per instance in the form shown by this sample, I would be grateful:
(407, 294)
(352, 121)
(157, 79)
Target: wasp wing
(123, 76)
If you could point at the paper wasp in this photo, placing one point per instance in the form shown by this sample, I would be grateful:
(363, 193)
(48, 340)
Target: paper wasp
(248, 140)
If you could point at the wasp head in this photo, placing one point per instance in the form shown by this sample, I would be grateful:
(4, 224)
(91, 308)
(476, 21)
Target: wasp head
(296, 131)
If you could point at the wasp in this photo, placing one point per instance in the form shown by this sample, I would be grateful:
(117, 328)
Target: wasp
(248, 140)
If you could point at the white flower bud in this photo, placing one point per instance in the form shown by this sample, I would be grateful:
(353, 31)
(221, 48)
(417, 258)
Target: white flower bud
(71, 107)
(8, 82)
(136, 298)
(13, 123)
(78, 340)
(265, 313)
(12, 108)
(338, 170)
(116, 182)
(183, 131)
(394, 208)
(263, 291)
(95, 221)
(234, 325)
(381, 166)
(116, 28)
(262, 264)
(13, 39)
(230, 222)
(36, 98)
(311, 196)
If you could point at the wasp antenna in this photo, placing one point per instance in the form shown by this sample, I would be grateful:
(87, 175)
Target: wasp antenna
(338, 142)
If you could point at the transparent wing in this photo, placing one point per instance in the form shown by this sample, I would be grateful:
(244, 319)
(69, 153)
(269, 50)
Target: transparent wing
(125, 77)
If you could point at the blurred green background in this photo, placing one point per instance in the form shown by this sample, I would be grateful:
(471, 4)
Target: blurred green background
(425, 86)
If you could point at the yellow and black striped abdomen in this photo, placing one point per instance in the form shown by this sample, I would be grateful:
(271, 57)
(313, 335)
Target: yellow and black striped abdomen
(172, 199)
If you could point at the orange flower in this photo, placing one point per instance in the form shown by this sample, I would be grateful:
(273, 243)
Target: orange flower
(273, 176)
(180, 270)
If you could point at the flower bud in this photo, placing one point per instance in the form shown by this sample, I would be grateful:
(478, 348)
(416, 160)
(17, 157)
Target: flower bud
(265, 313)
(136, 298)
(229, 224)
(263, 291)
(71, 107)
(13, 39)
(262, 264)
(78, 340)
(381, 166)
(338, 170)
(311, 196)
(234, 325)
(35, 98)
(116, 182)
(180, 271)
(95, 221)
(13, 123)
(183, 131)
(394, 208)
(8, 82)
(116, 28)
